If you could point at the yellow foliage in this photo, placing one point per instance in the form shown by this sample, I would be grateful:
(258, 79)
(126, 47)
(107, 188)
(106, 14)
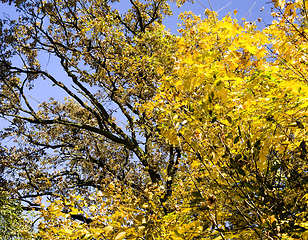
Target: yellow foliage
(238, 105)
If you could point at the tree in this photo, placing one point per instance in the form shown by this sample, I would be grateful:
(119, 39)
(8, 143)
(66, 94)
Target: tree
(198, 136)
(236, 106)
(70, 149)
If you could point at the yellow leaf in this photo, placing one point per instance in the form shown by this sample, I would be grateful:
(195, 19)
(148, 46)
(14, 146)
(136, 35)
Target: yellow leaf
(262, 163)
(121, 235)
(108, 229)
(225, 122)
(252, 49)
(290, 10)
(160, 70)
(140, 228)
(218, 238)
(67, 230)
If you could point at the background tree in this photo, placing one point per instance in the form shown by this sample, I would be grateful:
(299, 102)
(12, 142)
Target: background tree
(94, 143)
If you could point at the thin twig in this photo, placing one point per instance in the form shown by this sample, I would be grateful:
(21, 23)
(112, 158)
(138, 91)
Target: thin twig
(248, 12)
(224, 7)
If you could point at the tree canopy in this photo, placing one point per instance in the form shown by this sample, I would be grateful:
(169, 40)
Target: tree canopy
(200, 135)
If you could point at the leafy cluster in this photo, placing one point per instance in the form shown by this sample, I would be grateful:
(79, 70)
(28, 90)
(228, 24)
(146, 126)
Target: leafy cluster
(13, 224)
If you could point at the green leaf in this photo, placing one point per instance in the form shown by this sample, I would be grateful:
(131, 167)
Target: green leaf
(206, 224)
(238, 156)
(241, 171)
(177, 233)
(218, 83)
(196, 194)
(257, 144)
